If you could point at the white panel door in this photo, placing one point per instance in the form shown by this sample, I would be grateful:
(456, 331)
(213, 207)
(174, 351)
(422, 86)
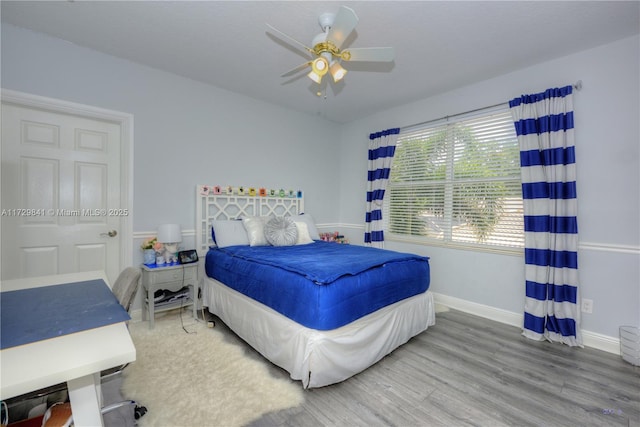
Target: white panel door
(61, 206)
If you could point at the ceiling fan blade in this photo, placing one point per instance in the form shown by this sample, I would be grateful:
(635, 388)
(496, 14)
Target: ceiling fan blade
(308, 49)
(371, 54)
(297, 69)
(344, 23)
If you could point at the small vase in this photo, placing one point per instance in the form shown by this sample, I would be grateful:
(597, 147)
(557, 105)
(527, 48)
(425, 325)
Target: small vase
(149, 256)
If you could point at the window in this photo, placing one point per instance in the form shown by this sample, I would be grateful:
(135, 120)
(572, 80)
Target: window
(456, 182)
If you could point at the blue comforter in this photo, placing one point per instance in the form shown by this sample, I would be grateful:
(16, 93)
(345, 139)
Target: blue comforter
(321, 262)
(320, 285)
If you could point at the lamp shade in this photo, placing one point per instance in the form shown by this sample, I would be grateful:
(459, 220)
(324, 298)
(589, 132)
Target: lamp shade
(169, 233)
(337, 71)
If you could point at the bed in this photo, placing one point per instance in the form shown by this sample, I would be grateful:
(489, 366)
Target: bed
(322, 311)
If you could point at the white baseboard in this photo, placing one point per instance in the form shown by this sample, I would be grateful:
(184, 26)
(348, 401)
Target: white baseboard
(601, 342)
(589, 339)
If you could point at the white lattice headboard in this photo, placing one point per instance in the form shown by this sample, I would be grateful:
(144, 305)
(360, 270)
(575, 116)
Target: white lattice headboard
(210, 206)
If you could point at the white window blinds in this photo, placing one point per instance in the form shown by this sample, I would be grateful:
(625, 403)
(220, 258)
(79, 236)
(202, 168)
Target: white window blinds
(457, 182)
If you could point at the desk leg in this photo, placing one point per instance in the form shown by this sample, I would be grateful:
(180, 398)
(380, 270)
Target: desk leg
(85, 396)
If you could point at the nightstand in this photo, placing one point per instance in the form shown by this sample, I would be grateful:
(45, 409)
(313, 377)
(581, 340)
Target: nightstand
(171, 278)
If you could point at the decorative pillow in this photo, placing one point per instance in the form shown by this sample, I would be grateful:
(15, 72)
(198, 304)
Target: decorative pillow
(254, 225)
(303, 233)
(281, 231)
(311, 225)
(228, 233)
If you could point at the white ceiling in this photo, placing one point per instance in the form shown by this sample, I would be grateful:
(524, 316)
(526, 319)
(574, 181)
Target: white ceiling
(439, 45)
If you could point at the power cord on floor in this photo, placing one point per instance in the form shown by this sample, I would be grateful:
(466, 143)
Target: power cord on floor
(210, 323)
(182, 319)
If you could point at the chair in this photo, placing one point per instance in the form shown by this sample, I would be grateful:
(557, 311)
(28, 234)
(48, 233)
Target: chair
(126, 286)
(124, 289)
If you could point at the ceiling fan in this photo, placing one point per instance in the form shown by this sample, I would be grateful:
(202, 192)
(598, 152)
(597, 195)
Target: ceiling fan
(327, 47)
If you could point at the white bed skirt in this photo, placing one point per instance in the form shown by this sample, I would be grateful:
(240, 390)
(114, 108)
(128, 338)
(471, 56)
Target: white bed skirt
(319, 358)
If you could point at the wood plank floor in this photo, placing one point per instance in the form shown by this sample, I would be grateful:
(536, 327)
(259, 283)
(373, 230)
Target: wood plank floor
(470, 371)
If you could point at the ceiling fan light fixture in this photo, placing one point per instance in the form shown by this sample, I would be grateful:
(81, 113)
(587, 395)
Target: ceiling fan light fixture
(337, 71)
(314, 76)
(320, 65)
(319, 68)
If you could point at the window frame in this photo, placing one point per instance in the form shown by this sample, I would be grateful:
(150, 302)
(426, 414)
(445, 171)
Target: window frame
(447, 124)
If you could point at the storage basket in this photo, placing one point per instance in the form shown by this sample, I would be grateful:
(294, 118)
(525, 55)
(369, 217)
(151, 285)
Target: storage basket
(630, 344)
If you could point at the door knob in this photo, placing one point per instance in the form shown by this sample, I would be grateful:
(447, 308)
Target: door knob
(111, 233)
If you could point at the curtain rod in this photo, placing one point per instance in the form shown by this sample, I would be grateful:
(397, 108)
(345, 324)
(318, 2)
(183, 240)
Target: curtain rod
(577, 86)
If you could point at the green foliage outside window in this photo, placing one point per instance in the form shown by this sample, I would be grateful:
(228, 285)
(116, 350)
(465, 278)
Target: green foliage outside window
(457, 182)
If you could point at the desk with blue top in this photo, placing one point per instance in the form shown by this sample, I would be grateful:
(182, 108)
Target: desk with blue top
(65, 328)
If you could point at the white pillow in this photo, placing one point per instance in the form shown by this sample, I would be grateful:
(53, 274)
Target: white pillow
(281, 231)
(254, 225)
(308, 219)
(303, 233)
(229, 233)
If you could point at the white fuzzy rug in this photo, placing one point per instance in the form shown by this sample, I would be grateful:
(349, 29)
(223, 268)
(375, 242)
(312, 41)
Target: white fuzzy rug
(198, 379)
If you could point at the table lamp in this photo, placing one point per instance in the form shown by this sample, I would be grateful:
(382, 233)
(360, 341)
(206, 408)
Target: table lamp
(170, 235)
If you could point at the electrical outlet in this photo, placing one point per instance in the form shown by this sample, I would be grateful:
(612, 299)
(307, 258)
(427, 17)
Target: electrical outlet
(587, 305)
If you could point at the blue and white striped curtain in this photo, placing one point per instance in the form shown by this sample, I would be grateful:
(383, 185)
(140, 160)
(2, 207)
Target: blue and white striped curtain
(544, 125)
(382, 146)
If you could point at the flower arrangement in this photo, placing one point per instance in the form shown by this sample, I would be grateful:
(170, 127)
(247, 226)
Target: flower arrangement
(152, 243)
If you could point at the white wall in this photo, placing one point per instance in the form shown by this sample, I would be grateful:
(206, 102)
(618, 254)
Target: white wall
(185, 132)
(607, 112)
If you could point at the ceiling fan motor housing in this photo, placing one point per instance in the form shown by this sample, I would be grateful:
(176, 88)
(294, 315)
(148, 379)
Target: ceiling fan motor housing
(324, 48)
(326, 21)
(320, 38)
